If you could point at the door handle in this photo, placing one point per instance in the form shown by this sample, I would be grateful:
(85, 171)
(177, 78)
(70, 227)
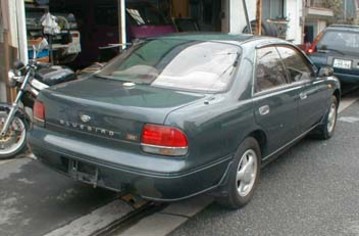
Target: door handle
(264, 110)
(303, 96)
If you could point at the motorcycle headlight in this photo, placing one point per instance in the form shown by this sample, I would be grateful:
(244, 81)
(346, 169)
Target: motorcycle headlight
(14, 77)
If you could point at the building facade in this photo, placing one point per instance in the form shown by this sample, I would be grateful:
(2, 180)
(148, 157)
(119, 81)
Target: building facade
(289, 17)
(317, 17)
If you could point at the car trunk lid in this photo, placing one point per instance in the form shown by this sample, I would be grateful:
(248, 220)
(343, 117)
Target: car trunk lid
(107, 109)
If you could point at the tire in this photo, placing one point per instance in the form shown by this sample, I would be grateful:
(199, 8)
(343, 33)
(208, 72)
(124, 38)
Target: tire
(326, 129)
(14, 141)
(243, 176)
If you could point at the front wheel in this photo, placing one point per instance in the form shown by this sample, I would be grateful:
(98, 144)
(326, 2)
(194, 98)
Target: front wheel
(14, 141)
(243, 175)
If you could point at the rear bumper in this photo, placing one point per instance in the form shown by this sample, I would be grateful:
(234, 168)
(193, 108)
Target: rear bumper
(153, 178)
(343, 75)
(347, 78)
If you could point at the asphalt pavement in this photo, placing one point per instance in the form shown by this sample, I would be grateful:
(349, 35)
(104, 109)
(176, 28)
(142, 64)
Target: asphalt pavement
(35, 200)
(312, 189)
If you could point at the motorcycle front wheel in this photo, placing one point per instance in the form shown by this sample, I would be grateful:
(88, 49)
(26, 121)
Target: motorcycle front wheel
(14, 141)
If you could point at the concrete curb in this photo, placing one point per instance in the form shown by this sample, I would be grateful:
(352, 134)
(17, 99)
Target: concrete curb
(167, 220)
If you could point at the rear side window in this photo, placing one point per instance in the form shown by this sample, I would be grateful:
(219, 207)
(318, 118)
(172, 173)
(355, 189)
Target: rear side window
(297, 67)
(270, 72)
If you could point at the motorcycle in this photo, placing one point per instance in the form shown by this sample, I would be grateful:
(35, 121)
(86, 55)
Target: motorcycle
(29, 80)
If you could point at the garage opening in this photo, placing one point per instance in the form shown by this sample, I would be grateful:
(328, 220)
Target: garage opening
(90, 29)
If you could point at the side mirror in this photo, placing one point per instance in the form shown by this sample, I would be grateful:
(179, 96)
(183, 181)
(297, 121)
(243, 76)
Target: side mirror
(325, 71)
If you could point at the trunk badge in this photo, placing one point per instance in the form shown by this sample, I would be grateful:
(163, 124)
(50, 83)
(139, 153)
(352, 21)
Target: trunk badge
(85, 118)
(129, 85)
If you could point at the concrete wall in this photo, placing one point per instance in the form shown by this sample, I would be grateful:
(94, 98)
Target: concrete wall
(294, 13)
(321, 25)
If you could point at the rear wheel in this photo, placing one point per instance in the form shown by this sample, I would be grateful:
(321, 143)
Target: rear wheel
(243, 176)
(326, 129)
(14, 141)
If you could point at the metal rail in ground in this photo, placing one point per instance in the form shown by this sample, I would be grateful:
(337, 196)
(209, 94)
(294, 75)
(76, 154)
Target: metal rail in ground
(142, 209)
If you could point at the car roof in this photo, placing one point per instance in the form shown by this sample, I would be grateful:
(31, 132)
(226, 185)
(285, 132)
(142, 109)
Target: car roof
(343, 27)
(219, 37)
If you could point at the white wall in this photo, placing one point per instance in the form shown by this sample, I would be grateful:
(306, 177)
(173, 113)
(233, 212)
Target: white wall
(14, 21)
(321, 25)
(294, 13)
(10, 20)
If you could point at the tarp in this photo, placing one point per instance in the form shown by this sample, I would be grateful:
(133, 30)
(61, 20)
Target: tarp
(50, 25)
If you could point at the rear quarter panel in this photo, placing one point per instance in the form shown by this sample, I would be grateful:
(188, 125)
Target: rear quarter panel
(215, 127)
(215, 130)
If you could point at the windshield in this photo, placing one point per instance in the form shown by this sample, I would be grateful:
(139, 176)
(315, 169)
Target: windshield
(339, 40)
(177, 64)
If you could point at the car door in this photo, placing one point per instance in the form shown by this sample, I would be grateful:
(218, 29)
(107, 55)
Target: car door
(313, 98)
(275, 99)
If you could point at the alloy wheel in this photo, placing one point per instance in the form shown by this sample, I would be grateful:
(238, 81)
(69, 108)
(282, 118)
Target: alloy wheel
(332, 115)
(246, 172)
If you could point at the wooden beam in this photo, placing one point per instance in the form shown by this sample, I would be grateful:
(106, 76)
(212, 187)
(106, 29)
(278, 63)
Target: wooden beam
(7, 65)
(9, 55)
(259, 17)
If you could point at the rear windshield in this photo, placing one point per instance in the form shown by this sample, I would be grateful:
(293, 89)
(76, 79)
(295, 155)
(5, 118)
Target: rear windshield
(340, 40)
(177, 64)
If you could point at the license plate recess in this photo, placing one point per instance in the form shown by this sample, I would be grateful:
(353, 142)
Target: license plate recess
(83, 172)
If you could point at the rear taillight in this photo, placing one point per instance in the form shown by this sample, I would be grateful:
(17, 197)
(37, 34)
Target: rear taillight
(164, 140)
(313, 46)
(39, 111)
(311, 50)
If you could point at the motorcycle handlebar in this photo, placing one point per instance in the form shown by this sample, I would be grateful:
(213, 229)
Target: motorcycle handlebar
(18, 65)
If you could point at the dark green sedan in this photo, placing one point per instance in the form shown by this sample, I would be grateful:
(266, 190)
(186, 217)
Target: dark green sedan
(181, 115)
